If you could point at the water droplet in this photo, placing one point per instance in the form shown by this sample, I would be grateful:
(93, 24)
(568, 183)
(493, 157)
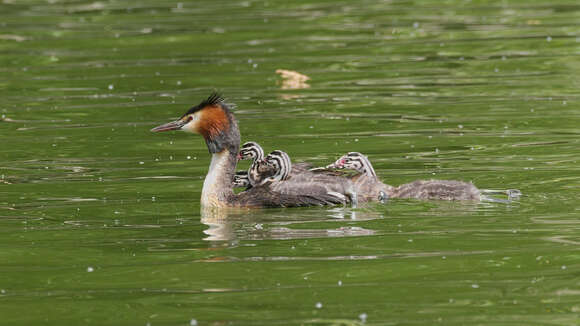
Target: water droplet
(563, 266)
(193, 322)
(318, 305)
(363, 317)
(111, 86)
(475, 286)
(339, 283)
(90, 269)
(549, 39)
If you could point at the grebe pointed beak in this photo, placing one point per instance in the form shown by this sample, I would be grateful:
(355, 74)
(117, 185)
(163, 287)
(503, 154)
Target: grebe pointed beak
(174, 125)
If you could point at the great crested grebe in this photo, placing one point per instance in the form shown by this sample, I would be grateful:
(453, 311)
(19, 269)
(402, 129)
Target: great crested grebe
(213, 120)
(420, 189)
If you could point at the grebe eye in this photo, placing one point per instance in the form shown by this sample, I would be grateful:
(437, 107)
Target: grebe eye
(189, 118)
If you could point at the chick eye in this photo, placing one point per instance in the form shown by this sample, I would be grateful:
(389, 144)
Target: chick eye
(189, 118)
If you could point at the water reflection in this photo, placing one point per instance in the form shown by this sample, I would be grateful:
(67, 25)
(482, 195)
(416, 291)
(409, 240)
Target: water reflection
(233, 225)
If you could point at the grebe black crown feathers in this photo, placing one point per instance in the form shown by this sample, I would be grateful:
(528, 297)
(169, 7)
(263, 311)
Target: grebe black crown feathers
(214, 99)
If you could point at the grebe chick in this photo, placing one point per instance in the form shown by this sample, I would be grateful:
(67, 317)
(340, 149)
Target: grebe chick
(252, 151)
(241, 180)
(419, 189)
(213, 120)
(277, 166)
(279, 162)
(368, 186)
(354, 161)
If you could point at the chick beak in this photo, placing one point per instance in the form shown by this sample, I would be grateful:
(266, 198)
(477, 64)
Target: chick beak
(174, 125)
(336, 165)
(239, 157)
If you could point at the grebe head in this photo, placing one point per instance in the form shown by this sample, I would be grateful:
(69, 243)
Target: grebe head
(354, 161)
(279, 161)
(213, 120)
(251, 150)
(241, 179)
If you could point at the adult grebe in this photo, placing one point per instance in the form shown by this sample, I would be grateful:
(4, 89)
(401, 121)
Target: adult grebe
(213, 120)
(420, 189)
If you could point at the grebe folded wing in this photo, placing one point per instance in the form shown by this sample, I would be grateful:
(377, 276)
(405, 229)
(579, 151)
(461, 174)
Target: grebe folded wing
(275, 194)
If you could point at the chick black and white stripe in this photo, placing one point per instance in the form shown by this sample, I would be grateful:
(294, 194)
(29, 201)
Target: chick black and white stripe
(354, 161)
(283, 179)
(241, 179)
(252, 151)
(280, 162)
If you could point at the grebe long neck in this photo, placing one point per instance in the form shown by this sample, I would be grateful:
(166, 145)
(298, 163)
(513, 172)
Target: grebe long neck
(217, 187)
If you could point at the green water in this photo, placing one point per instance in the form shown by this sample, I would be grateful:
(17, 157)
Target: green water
(100, 221)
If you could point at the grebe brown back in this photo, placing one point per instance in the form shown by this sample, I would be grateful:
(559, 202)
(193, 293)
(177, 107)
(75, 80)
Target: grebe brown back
(213, 120)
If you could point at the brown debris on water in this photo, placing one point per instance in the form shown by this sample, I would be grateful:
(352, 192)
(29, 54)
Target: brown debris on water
(292, 79)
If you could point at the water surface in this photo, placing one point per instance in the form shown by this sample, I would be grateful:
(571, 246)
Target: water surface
(100, 221)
